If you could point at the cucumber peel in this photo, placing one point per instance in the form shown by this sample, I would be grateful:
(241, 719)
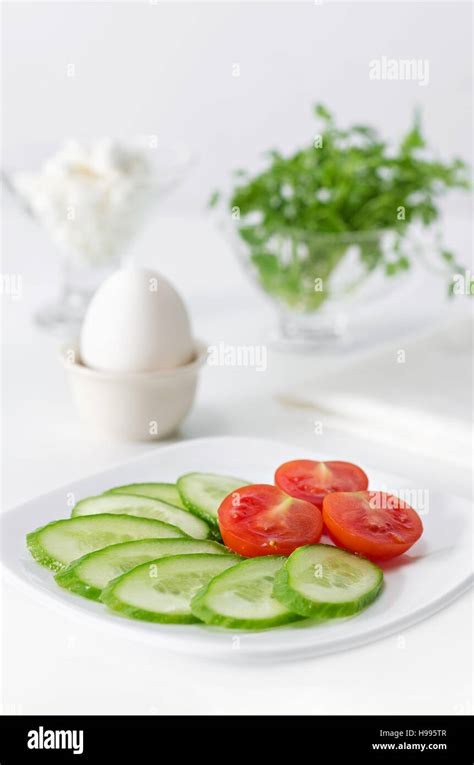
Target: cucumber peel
(327, 582)
(59, 543)
(162, 590)
(203, 493)
(144, 507)
(89, 575)
(167, 492)
(242, 597)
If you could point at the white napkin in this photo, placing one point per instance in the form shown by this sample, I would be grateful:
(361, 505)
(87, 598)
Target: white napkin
(422, 405)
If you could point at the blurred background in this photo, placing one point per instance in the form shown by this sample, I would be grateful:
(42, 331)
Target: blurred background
(167, 69)
(229, 81)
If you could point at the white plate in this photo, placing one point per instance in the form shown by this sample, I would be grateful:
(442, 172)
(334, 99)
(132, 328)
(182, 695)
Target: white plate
(432, 574)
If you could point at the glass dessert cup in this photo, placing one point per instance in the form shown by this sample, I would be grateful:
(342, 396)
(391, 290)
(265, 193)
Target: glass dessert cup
(81, 274)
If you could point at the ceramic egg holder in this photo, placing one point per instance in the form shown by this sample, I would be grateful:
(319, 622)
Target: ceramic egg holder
(135, 406)
(135, 367)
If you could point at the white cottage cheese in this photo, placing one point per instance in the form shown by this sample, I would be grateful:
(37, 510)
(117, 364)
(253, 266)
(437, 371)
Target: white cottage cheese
(91, 199)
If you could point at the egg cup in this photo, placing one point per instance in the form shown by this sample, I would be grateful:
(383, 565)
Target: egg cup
(139, 406)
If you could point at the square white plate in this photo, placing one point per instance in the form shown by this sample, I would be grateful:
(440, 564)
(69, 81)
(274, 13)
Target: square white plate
(432, 574)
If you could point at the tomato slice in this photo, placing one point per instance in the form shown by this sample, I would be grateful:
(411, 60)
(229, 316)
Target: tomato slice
(372, 523)
(311, 480)
(262, 520)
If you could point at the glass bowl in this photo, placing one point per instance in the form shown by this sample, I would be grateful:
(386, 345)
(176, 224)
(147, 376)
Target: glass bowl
(82, 271)
(316, 282)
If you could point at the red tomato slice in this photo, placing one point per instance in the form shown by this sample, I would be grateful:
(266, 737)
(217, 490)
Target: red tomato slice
(371, 523)
(311, 480)
(262, 520)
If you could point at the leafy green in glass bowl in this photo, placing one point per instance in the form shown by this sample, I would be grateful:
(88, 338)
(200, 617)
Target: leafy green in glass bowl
(347, 198)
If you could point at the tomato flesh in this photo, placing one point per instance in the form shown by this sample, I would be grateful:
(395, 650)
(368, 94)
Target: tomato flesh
(312, 481)
(372, 523)
(262, 520)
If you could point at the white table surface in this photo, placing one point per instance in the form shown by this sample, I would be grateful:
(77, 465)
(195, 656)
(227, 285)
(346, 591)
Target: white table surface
(51, 663)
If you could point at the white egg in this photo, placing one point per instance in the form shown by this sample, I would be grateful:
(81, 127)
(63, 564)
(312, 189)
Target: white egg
(136, 322)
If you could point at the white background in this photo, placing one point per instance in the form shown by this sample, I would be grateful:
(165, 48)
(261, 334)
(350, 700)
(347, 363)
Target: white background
(166, 69)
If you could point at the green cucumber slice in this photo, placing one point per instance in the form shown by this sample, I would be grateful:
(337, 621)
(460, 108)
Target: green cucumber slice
(202, 493)
(60, 542)
(144, 507)
(167, 492)
(88, 575)
(242, 597)
(327, 582)
(162, 590)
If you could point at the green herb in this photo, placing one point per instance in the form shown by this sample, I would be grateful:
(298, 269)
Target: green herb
(293, 216)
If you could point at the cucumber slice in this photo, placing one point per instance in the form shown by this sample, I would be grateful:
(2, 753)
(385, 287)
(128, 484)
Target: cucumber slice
(202, 493)
(144, 507)
(162, 590)
(327, 582)
(242, 597)
(167, 492)
(57, 544)
(88, 575)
